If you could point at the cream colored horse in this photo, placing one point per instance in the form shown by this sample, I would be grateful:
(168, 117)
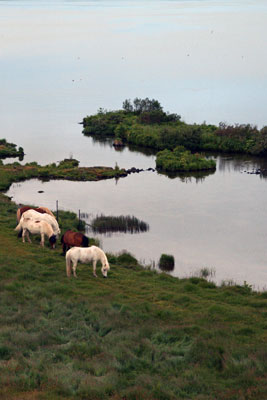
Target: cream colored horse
(36, 227)
(34, 215)
(85, 255)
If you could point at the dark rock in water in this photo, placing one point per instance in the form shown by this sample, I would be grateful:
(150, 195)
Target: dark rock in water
(131, 170)
(134, 170)
(118, 143)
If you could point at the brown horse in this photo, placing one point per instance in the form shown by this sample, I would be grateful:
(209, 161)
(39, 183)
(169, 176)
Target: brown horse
(41, 210)
(71, 238)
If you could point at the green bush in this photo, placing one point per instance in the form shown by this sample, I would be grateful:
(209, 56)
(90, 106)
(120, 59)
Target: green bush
(182, 160)
(127, 258)
(166, 262)
(10, 149)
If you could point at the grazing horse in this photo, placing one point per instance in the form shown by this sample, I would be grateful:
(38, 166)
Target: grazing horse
(41, 210)
(71, 238)
(36, 227)
(85, 255)
(34, 215)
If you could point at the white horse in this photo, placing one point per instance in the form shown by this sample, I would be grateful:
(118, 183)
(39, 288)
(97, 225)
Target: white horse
(36, 227)
(34, 215)
(85, 255)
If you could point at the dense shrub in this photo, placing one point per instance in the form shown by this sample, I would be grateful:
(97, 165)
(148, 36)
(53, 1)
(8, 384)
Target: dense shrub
(166, 262)
(68, 163)
(182, 160)
(10, 150)
(126, 258)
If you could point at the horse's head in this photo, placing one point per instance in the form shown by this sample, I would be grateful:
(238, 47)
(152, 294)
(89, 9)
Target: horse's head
(52, 241)
(58, 232)
(105, 268)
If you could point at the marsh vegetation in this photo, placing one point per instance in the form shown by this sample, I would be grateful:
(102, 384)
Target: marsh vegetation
(127, 224)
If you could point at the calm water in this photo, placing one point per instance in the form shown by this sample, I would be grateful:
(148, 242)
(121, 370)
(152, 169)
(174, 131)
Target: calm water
(61, 60)
(206, 60)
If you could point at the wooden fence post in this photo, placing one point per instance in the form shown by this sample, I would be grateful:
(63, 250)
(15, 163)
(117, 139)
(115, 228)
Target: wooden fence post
(57, 209)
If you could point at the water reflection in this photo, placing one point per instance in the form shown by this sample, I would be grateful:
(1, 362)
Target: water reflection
(10, 160)
(108, 142)
(239, 162)
(188, 177)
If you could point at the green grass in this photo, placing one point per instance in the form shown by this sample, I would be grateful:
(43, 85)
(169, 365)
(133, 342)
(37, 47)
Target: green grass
(136, 335)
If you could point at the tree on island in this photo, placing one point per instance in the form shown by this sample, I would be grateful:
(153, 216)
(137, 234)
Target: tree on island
(140, 106)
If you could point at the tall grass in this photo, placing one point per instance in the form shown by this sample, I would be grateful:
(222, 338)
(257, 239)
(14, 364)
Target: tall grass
(126, 224)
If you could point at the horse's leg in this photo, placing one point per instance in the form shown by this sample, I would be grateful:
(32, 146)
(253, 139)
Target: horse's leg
(23, 235)
(94, 268)
(28, 236)
(64, 248)
(74, 265)
(42, 239)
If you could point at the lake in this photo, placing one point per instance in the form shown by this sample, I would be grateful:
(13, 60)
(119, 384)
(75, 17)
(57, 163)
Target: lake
(205, 60)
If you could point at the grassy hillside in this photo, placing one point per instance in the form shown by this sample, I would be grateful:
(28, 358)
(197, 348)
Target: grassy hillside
(135, 335)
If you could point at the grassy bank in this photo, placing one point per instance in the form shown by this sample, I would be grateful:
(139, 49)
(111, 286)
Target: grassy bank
(144, 123)
(66, 169)
(135, 335)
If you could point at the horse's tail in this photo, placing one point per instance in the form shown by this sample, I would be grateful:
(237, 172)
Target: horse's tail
(68, 263)
(85, 241)
(18, 215)
(19, 227)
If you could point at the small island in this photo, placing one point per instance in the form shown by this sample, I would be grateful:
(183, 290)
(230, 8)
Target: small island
(144, 123)
(67, 169)
(181, 159)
